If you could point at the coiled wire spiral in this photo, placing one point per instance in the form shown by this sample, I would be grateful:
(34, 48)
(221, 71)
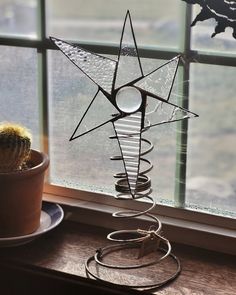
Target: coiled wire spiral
(128, 239)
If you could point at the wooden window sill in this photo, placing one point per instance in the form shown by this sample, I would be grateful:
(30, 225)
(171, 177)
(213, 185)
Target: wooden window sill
(55, 263)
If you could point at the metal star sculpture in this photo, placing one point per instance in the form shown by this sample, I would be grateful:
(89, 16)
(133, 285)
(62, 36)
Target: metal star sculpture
(223, 11)
(127, 91)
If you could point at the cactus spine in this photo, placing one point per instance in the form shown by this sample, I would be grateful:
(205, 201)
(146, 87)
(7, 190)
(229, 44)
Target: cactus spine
(15, 143)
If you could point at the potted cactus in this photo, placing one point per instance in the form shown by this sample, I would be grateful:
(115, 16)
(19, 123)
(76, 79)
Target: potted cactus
(21, 181)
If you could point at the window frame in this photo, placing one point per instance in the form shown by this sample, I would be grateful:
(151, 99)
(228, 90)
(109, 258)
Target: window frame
(201, 222)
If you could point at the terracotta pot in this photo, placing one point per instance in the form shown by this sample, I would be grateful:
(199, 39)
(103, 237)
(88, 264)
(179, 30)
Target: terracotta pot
(21, 197)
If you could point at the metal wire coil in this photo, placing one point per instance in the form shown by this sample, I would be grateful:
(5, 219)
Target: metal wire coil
(130, 238)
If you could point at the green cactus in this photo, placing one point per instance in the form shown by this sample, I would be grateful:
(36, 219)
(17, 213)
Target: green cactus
(15, 143)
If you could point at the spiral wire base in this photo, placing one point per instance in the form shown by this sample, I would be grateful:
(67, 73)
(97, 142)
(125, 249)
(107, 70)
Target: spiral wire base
(134, 239)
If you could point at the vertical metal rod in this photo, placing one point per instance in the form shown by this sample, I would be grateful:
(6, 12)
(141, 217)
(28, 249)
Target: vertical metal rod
(42, 76)
(182, 126)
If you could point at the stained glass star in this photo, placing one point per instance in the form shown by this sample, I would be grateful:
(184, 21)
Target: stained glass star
(127, 91)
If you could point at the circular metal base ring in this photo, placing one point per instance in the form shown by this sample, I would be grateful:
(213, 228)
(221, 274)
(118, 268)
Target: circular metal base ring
(144, 286)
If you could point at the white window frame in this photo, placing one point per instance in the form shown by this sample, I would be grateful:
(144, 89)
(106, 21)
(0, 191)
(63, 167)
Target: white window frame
(183, 225)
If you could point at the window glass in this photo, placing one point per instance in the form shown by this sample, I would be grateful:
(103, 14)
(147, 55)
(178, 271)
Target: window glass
(18, 18)
(201, 36)
(156, 22)
(75, 164)
(18, 84)
(211, 180)
(84, 162)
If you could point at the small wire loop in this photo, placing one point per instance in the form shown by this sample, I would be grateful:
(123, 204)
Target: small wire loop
(143, 233)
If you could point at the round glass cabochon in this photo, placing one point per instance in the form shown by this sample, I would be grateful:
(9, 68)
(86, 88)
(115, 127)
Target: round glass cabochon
(128, 99)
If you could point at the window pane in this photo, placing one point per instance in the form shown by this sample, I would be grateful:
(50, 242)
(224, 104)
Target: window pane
(201, 36)
(156, 22)
(18, 18)
(75, 164)
(211, 167)
(84, 162)
(18, 84)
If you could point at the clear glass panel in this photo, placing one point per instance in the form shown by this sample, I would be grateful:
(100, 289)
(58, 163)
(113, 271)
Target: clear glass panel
(156, 22)
(84, 162)
(18, 18)
(18, 84)
(100, 69)
(130, 146)
(160, 81)
(129, 67)
(211, 179)
(201, 36)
